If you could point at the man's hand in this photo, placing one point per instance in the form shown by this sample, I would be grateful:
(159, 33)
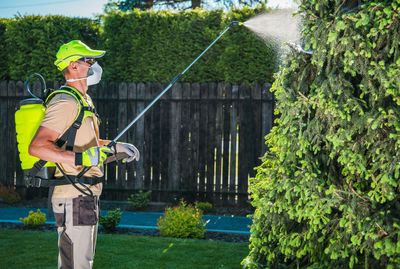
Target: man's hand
(94, 156)
(129, 150)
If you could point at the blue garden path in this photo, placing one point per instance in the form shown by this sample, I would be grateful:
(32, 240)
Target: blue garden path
(142, 220)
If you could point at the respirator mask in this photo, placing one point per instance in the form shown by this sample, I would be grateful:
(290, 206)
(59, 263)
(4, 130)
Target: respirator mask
(93, 77)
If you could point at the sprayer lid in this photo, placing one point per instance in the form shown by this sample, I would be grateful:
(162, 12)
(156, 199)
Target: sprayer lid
(30, 101)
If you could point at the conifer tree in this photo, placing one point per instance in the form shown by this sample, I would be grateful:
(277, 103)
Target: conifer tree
(327, 193)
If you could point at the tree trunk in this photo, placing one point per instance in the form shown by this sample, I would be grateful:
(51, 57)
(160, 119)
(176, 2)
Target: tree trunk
(196, 3)
(148, 4)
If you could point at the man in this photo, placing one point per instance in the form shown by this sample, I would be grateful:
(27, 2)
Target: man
(76, 214)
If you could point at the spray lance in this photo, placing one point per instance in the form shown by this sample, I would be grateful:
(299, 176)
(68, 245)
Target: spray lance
(165, 90)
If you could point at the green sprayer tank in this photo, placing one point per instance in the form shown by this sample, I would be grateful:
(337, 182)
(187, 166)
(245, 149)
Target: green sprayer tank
(28, 116)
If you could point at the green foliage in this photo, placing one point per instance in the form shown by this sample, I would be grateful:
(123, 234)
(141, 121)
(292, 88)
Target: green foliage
(33, 41)
(3, 50)
(111, 220)
(142, 46)
(156, 46)
(9, 195)
(139, 200)
(182, 221)
(205, 207)
(327, 192)
(34, 219)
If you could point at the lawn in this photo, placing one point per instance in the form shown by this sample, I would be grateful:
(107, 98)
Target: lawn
(31, 249)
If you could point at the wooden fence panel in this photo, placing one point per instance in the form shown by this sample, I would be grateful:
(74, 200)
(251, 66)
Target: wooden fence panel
(201, 141)
(19, 177)
(133, 168)
(234, 148)
(195, 135)
(227, 94)
(122, 122)
(4, 111)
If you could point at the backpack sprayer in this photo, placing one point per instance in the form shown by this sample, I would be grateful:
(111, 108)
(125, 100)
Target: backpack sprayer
(32, 166)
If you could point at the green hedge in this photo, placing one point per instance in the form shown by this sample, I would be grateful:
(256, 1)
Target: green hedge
(327, 194)
(32, 43)
(156, 46)
(143, 46)
(3, 50)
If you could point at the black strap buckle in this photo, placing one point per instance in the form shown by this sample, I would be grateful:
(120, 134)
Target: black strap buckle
(31, 181)
(77, 124)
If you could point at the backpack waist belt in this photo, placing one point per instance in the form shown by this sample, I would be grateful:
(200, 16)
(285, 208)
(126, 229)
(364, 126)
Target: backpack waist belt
(39, 182)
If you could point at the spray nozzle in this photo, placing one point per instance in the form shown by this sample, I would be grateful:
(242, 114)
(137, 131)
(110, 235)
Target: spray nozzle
(234, 23)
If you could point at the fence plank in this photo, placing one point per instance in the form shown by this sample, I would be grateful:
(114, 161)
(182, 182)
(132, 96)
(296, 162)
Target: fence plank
(111, 106)
(186, 150)
(203, 142)
(10, 134)
(4, 130)
(19, 177)
(218, 140)
(234, 148)
(211, 137)
(175, 137)
(195, 138)
(246, 140)
(133, 167)
(226, 140)
(140, 126)
(164, 148)
(155, 136)
(122, 123)
(148, 119)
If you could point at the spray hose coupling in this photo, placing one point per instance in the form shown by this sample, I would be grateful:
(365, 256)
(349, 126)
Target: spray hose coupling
(234, 23)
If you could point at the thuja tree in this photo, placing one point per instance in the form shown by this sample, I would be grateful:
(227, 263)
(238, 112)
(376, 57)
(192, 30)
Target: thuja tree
(327, 193)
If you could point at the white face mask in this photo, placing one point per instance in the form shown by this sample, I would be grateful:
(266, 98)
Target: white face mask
(94, 75)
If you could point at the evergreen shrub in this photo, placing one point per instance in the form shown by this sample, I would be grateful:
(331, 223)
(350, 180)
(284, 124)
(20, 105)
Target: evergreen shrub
(205, 207)
(182, 221)
(142, 46)
(155, 46)
(33, 41)
(111, 220)
(327, 193)
(34, 219)
(139, 200)
(3, 50)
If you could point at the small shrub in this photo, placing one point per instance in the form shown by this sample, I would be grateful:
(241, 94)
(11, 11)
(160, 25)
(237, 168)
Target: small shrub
(205, 207)
(111, 220)
(182, 221)
(34, 219)
(139, 200)
(9, 195)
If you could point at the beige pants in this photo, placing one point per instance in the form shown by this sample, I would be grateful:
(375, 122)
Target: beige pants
(76, 220)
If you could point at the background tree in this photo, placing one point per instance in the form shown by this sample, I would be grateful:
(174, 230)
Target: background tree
(327, 193)
(125, 5)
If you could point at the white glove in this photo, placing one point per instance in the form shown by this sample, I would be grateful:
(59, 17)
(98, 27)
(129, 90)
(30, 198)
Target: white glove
(130, 151)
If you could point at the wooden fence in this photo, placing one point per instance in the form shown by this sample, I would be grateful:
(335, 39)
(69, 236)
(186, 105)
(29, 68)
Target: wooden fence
(201, 141)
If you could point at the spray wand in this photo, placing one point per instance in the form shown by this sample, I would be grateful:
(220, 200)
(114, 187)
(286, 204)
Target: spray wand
(114, 141)
(173, 81)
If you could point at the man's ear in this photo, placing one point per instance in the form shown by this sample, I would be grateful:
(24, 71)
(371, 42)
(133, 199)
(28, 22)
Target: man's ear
(73, 66)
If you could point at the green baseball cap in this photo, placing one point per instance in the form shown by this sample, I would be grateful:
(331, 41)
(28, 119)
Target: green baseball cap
(74, 50)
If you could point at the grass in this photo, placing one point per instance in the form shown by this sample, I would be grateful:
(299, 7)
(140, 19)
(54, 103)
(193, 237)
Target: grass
(37, 249)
